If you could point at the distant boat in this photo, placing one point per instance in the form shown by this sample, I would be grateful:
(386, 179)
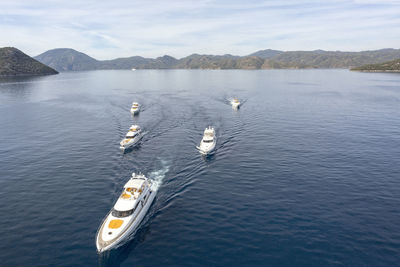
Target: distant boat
(235, 103)
(208, 142)
(132, 137)
(135, 108)
(133, 69)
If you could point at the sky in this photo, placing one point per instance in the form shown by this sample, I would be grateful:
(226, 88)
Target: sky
(121, 28)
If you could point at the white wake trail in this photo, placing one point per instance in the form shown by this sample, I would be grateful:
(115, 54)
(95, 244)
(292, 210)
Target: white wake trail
(159, 175)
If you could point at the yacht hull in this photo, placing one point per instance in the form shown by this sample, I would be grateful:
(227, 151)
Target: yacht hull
(132, 143)
(103, 246)
(135, 111)
(208, 150)
(235, 105)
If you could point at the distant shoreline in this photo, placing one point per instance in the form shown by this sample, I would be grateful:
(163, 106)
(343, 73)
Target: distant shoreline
(26, 75)
(67, 59)
(390, 71)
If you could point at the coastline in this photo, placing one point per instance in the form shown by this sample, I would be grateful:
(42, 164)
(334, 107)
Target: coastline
(382, 71)
(26, 74)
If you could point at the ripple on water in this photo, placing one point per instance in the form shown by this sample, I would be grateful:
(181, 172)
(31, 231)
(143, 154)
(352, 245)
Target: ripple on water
(304, 173)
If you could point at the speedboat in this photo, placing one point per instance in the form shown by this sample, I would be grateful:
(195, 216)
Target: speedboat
(132, 137)
(135, 108)
(235, 103)
(208, 142)
(127, 213)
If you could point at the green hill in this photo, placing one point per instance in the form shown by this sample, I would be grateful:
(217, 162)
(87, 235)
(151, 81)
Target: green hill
(70, 60)
(334, 59)
(13, 62)
(389, 66)
(266, 54)
(67, 59)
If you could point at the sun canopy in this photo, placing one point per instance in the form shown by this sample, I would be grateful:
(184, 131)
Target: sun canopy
(134, 183)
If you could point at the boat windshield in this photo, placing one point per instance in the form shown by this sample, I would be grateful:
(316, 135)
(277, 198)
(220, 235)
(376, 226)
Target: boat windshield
(121, 214)
(208, 141)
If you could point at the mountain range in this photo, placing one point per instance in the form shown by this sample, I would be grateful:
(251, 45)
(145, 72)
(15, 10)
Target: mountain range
(66, 59)
(389, 66)
(14, 62)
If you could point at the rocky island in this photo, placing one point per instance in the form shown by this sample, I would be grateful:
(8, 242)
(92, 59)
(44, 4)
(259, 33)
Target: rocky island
(389, 66)
(14, 62)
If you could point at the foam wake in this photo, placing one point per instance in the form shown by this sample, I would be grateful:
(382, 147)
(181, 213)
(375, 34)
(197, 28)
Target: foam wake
(158, 175)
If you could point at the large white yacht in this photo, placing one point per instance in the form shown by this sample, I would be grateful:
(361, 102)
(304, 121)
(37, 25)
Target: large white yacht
(132, 137)
(235, 103)
(135, 109)
(127, 213)
(208, 142)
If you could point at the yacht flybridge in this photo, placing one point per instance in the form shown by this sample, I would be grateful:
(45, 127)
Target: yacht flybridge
(127, 213)
(235, 103)
(132, 137)
(135, 108)
(208, 142)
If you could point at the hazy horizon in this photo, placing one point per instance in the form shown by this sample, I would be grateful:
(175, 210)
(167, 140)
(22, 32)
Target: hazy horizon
(181, 28)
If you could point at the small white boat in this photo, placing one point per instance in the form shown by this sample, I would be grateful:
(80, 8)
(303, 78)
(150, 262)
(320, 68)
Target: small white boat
(208, 142)
(132, 137)
(133, 69)
(127, 213)
(235, 103)
(135, 108)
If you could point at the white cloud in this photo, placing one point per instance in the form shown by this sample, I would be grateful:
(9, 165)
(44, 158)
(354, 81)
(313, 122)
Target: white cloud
(109, 29)
(377, 2)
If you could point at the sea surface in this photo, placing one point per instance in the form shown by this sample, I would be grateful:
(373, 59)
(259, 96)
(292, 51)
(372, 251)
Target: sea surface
(306, 172)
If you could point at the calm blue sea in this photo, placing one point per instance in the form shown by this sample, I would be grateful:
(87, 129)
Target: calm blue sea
(306, 173)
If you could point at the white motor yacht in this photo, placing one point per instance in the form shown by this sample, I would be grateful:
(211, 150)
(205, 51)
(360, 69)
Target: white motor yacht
(127, 213)
(208, 142)
(135, 108)
(132, 137)
(235, 103)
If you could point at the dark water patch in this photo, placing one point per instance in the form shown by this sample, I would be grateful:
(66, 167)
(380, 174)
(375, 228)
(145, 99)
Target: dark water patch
(304, 173)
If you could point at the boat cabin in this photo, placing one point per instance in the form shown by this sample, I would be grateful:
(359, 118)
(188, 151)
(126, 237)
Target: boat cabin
(133, 188)
(133, 131)
(208, 135)
(131, 135)
(134, 128)
(127, 201)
